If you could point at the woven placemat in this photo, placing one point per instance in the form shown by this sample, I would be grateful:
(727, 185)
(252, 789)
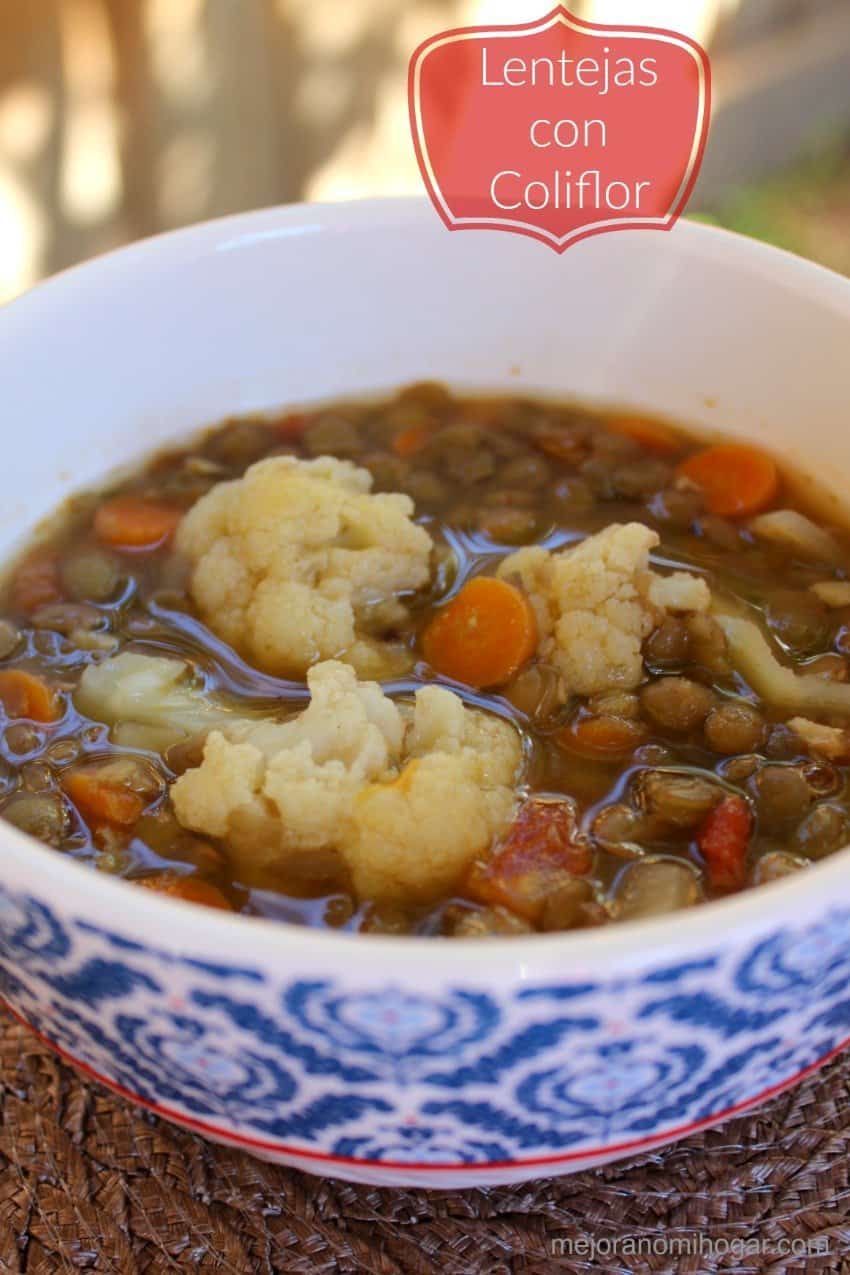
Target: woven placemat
(87, 1183)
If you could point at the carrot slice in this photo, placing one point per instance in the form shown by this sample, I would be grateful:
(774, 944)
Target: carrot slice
(23, 694)
(735, 480)
(541, 850)
(128, 522)
(652, 435)
(36, 582)
(192, 889)
(410, 441)
(723, 842)
(603, 738)
(101, 801)
(484, 635)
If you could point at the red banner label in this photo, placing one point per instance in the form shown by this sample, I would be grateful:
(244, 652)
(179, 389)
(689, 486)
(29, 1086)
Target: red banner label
(560, 129)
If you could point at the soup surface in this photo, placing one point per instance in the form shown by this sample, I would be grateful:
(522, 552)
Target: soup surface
(640, 642)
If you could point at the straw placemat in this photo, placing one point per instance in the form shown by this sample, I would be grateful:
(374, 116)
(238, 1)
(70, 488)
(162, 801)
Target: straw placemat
(87, 1183)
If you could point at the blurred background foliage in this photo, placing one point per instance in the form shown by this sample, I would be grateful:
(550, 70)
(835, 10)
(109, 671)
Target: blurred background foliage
(804, 208)
(120, 118)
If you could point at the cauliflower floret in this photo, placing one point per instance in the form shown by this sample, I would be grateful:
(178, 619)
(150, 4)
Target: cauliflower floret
(299, 562)
(679, 592)
(596, 603)
(408, 796)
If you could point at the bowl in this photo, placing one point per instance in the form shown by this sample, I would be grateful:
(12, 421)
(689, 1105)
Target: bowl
(400, 1060)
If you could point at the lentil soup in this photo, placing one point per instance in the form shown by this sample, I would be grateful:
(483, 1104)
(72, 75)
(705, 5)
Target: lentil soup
(642, 641)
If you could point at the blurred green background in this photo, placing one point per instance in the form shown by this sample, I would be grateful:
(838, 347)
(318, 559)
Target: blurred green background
(804, 208)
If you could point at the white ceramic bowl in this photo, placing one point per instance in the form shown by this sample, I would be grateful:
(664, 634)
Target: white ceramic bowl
(403, 1060)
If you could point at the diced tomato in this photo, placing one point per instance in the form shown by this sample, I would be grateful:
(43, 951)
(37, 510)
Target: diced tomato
(540, 850)
(723, 841)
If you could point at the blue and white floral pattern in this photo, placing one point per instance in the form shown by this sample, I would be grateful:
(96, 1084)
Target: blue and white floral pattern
(468, 1076)
(394, 1033)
